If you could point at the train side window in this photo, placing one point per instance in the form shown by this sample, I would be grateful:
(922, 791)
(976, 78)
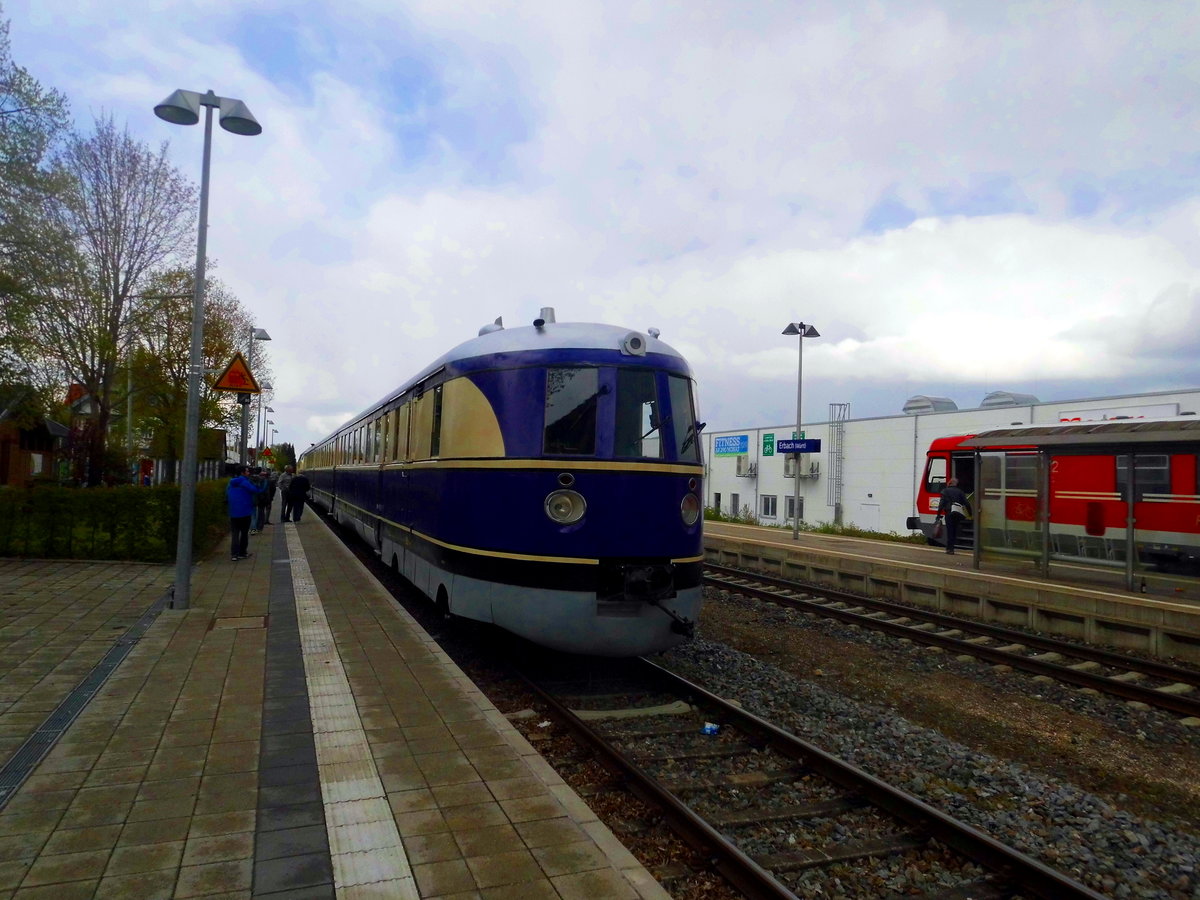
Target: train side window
(435, 438)
(639, 415)
(1152, 472)
(572, 396)
(1020, 472)
(935, 475)
(402, 442)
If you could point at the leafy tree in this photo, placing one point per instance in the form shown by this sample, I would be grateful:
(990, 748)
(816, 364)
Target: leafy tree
(160, 354)
(32, 120)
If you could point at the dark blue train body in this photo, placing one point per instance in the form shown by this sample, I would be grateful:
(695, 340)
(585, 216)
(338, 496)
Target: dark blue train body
(546, 478)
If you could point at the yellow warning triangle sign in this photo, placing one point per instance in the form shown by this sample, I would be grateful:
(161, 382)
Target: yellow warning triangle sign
(237, 377)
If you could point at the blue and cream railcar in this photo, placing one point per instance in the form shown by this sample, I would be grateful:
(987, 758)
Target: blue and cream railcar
(546, 479)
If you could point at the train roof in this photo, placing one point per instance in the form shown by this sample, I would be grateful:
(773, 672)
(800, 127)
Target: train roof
(495, 340)
(1107, 432)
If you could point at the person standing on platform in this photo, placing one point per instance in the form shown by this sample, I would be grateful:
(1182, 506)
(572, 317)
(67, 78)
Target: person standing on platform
(240, 494)
(257, 476)
(285, 504)
(297, 493)
(955, 507)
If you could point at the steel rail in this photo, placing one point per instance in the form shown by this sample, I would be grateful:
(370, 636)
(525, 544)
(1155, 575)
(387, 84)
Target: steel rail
(1152, 667)
(1012, 865)
(739, 869)
(1176, 703)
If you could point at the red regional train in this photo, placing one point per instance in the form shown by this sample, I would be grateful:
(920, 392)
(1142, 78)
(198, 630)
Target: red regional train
(1095, 477)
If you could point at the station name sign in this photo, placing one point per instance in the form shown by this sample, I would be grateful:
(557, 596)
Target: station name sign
(808, 445)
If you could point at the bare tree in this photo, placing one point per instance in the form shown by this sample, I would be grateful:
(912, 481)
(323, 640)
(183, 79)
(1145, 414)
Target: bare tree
(128, 211)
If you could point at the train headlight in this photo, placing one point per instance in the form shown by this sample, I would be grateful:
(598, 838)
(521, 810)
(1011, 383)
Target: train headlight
(566, 507)
(689, 509)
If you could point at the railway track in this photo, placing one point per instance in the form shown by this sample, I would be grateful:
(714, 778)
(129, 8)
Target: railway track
(1154, 683)
(774, 814)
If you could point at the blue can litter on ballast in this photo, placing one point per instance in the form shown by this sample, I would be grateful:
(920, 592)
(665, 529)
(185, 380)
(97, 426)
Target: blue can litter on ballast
(710, 728)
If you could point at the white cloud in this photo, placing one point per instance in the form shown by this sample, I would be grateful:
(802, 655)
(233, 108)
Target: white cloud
(704, 169)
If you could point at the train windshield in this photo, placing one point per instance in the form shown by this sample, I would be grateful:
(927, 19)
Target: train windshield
(653, 417)
(571, 398)
(683, 419)
(651, 426)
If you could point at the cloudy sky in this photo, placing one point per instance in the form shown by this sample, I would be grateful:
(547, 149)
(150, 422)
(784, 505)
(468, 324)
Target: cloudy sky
(961, 196)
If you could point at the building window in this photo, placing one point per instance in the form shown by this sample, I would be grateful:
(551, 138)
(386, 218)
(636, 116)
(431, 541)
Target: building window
(735, 504)
(37, 463)
(768, 507)
(717, 502)
(789, 505)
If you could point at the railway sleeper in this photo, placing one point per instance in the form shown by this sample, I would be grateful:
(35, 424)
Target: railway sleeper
(815, 810)
(737, 780)
(629, 734)
(738, 749)
(799, 860)
(980, 889)
(1177, 688)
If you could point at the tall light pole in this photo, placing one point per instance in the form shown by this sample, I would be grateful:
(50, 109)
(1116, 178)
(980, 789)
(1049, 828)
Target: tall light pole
(266, 386)
(256, 334)
(802, 331)
(183, 108)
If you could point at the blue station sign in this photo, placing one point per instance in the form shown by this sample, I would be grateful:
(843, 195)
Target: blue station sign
(809, 445)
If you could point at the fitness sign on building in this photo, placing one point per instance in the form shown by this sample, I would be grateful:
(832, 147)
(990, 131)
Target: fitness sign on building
(731, 445)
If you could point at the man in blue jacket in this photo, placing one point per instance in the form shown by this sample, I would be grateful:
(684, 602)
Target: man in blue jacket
(241, 495)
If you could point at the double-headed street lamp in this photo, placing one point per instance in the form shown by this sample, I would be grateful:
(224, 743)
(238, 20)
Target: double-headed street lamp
(256, 334)
(803, 331)
(183, 108)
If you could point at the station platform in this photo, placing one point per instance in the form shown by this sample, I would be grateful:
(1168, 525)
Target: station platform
(293, 734)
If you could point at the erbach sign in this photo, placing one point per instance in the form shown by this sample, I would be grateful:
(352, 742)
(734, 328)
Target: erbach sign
(810, 445)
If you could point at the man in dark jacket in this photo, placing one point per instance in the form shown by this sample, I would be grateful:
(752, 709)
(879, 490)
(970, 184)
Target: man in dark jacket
(955, 507)
(241, 495)
(297, 494)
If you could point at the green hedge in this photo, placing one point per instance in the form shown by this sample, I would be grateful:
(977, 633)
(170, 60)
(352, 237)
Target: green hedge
(134, 523)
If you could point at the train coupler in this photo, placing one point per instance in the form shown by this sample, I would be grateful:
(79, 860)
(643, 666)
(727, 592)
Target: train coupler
(679, 624)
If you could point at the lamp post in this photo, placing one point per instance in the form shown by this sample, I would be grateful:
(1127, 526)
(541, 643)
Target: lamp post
(802, 331)
(256, 334)
(183, 108)
(258, 428)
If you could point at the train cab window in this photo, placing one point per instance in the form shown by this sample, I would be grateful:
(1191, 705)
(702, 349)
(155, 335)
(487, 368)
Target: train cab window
(639, 416)
(572, 396)
(935, 474)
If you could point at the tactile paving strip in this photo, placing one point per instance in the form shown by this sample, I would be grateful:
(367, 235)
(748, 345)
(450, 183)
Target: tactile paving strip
(28, 755)
(363, 840)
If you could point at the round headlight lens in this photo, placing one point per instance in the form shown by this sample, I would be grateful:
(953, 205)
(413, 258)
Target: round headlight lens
(566, 507)
(689, 509)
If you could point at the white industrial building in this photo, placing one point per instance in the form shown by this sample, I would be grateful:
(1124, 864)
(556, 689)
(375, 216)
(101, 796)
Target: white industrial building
(866, 472)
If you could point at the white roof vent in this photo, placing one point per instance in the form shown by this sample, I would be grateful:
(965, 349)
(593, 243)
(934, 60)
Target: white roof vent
(921, 404)
(1007, 398)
